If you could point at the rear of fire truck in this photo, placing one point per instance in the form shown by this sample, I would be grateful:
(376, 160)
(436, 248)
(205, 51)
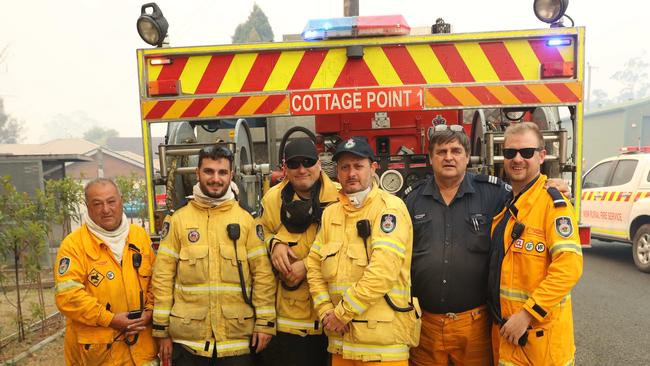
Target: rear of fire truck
(360, 76)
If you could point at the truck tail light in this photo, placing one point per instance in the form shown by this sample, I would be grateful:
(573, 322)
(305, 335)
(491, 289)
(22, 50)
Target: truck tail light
(160, 61)
(557, 70)
(585, 235)
(163, 87)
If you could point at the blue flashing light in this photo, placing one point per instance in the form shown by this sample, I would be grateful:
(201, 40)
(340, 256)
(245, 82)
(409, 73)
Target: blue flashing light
(317, 29)
(554, 42)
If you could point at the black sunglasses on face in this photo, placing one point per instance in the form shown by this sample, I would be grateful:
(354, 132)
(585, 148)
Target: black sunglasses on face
(525, 153)
(305, 162)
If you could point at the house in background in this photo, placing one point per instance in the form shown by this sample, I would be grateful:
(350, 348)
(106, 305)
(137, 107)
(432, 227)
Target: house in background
(607, 129)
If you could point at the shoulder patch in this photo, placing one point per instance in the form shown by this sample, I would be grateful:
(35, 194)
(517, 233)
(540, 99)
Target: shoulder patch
(413, 187)
(388, 223)
(564, 226)
(64, 265)
(558, 198)
(485, 178)
(165, 230)
(260, 232)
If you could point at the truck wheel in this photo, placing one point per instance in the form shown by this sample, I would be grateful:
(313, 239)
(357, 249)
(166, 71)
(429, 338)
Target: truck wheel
(641, 248)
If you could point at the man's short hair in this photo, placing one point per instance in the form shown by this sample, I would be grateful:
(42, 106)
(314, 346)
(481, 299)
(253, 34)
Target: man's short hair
(215, 152)
(101, 181)
(447, 136)
(523, 127)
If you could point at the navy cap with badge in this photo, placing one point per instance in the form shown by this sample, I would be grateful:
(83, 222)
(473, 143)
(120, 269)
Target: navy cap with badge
(355, 145)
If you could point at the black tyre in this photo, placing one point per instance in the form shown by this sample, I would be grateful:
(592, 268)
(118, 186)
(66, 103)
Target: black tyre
(641, 248)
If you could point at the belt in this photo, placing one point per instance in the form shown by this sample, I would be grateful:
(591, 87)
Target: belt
(475, 313)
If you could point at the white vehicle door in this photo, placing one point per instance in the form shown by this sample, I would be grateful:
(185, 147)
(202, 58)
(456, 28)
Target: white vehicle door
(618, 204)
(593, 185)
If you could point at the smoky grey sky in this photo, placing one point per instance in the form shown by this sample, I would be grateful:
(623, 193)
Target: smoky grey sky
(71, 64)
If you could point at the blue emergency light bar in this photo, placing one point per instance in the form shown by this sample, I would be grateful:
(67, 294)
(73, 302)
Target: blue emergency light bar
(359, 26)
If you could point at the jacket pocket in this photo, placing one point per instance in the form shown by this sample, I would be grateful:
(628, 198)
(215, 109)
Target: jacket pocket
(330, 260)
(188, 324)
(375, 326)
(478, 236)
(95, 354)
(359, 260)
(228, 266)
(295, 304)
(193, 265)
(239, 320)
(409, 324)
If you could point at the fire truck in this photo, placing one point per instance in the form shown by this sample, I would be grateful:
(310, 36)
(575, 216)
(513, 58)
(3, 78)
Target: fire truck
(360, 76)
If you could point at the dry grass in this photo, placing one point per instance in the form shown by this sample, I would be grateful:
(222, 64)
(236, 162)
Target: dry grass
(29, 298)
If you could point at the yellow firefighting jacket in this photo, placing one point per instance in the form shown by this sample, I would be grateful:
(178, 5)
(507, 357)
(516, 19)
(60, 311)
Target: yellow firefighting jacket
(295, 309)
(91, 286)
(351, 278)
(196, 284)
(537, 274)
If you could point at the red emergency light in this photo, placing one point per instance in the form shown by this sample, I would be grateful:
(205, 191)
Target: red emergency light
(631, 149)
(382, 25)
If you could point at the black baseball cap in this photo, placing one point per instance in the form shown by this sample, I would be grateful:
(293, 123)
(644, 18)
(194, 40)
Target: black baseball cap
(355, 145)
(300, 148)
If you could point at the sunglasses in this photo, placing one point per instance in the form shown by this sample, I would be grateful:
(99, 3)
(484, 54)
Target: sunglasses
(525, 153)
(305, 162)
(454, 128)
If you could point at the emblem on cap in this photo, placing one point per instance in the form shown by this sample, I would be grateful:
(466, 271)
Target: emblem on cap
(193, 236)
(388, 223)
(563, 226)
(350, 144)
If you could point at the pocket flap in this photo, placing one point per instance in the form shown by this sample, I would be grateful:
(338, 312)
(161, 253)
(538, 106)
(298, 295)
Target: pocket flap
(358, 252)
(189, 313)
(380, 312)
(330, 249)
(193, 252)
(227, 252)
(237, 311)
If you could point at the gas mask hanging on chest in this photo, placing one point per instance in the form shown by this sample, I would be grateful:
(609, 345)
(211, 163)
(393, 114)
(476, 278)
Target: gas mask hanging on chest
(297, 215)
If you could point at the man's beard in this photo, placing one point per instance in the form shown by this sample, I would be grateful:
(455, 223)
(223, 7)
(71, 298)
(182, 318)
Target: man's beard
(206, 192)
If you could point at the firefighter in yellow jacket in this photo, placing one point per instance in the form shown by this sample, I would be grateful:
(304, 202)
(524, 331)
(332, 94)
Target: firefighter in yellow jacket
(213, 284)
(103, 288)
(292, 211)
(536, 260)
(359, 267)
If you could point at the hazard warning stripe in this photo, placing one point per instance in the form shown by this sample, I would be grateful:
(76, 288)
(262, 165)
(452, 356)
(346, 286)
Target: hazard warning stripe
(381, 65)
(515, 94)
(216, 107)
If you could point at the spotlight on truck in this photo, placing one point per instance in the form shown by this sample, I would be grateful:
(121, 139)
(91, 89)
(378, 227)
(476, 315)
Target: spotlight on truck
(550, 11)
(152, 25)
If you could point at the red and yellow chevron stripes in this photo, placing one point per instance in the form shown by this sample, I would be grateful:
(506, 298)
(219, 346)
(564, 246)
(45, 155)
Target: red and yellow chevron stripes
(446, 63)
(171, 109)
(504, 94)
(614, 196)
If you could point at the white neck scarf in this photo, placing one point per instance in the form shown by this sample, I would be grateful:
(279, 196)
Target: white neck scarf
(357, 198)
(201, 197)
(115, 239)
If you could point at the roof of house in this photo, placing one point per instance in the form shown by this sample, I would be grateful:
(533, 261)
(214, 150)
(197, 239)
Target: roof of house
(612, 108)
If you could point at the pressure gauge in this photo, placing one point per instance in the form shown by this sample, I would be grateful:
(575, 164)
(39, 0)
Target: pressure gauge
(391, 181)
(411, 179)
